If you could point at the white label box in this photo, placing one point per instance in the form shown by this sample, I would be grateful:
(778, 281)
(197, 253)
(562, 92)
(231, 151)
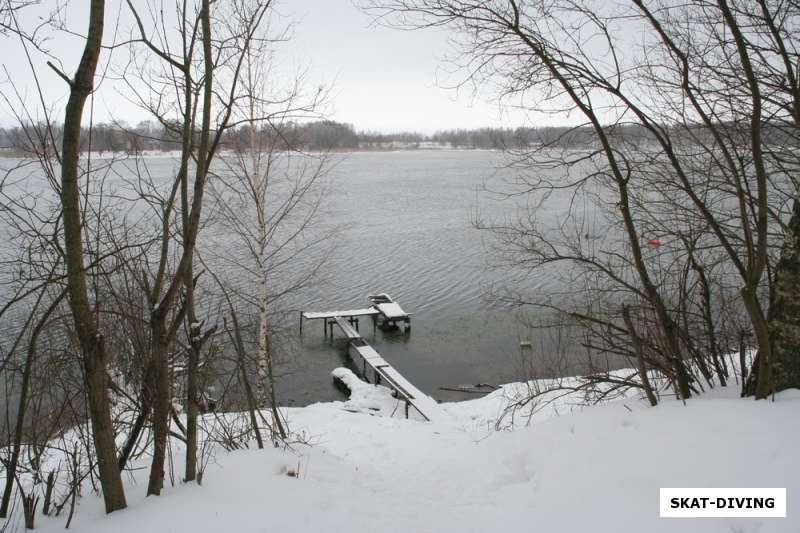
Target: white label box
(722, 502)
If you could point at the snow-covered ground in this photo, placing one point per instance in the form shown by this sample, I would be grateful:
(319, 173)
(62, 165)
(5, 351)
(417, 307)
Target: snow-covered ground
(594, 469)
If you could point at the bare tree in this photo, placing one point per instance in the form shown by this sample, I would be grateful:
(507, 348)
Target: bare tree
(131, 289)
(92, 343)
(709, 87)
(16, 447)
(203, 70)
(268, 197)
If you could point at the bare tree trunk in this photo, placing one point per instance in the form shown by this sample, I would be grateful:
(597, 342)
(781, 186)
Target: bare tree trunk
(784, 323)
(260, 200)
(91, 341)
(252, 404)
(197, 340)
(266, 380)
(263, 335)
(266, 376)
(637, 347)
(192, 408)
(29, 504)
(758, 255)
(760, 383)
(190, 229)
(200, 99)
(48, 494)
(719, 364)
(161, 407)
(277, 423)
(235, 336)
(668, 327)
(145, 409)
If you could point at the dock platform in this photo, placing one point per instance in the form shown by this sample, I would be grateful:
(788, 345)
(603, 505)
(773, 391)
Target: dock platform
(369, 361)
(384, 312)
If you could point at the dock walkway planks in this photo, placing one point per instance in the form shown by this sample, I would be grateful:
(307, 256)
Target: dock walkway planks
(346, 328)
(368, 359)
(312, 315)
(384, 373)
(423, 403)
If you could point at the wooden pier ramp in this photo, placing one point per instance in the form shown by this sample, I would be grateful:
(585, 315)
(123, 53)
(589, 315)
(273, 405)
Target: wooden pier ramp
(369, 361)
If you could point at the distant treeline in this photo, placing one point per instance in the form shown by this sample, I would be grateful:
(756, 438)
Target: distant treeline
(329, 135)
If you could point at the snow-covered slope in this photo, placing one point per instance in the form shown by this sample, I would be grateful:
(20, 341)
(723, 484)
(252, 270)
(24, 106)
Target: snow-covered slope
(598, 469)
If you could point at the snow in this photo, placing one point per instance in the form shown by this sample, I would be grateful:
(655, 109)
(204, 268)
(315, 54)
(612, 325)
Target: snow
(367, 398)
(311, 315)
(367, 352)
(392, 310)
(563, 468)
(423, 407)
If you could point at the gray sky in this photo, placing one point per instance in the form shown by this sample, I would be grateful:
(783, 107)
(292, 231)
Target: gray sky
(383, 79)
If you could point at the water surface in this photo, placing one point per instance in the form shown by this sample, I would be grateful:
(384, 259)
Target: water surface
(406, 229)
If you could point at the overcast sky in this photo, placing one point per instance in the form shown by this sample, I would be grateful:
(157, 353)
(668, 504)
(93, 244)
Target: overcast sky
(383, 79)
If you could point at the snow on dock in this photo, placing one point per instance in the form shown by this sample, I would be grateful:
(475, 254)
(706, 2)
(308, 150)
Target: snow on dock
(424, 404)
(391, 310)
(369, 361)
(346, 328)
(383, 307)
(311, 315)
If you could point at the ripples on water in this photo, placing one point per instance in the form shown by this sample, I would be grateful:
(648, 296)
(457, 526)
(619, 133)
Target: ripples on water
(403, 226)
(406, 219)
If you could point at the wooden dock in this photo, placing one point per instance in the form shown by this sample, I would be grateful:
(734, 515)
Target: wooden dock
(369, 361)
(384, 312)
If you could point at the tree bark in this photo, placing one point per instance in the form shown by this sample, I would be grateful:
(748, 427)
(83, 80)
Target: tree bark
(757, 252)
(91, 341)
(241, 358)
(639, 350)
(145, 409)
(162, 334)
(192, 408)
(161, 405)
(190, 229)
(784, 323)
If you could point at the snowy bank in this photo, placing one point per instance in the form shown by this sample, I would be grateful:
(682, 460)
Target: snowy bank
(597, 469)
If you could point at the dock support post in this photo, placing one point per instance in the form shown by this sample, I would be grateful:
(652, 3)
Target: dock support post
(301, 323)
(353, 322)
(406, 408)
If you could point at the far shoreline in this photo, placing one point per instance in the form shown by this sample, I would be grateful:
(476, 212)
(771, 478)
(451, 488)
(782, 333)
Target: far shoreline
(6, 153)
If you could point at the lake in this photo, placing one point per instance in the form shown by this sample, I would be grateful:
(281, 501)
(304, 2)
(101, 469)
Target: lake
(406, 229)
(404, 226)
